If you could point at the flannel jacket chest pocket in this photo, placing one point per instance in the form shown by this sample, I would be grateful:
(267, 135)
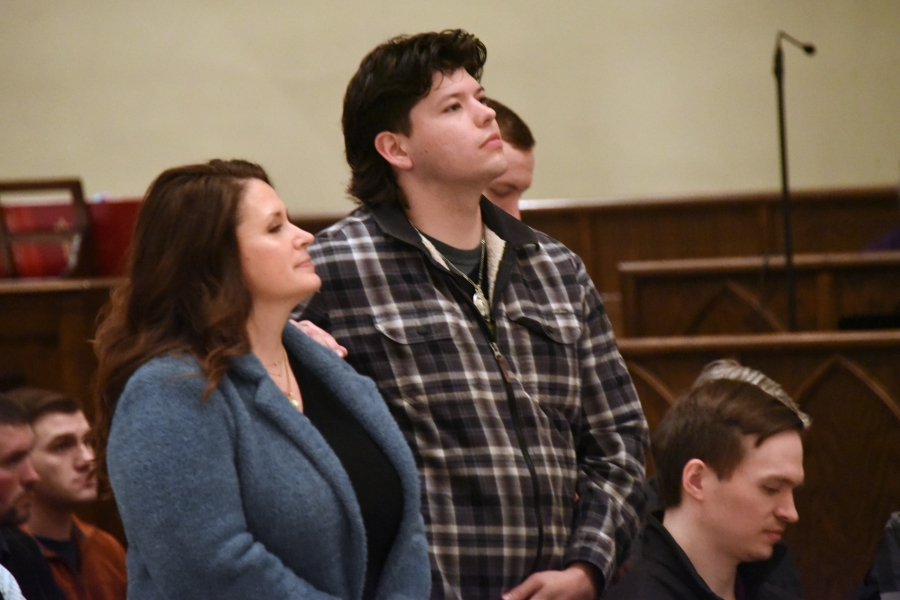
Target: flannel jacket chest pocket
(544, 350)
(561, 325)
(415, 324)
(422, 361)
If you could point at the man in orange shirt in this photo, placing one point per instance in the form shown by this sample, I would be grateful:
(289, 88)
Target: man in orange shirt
(87, 563)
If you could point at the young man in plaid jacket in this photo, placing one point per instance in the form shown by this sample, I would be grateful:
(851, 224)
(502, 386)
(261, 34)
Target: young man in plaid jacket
(486, 338)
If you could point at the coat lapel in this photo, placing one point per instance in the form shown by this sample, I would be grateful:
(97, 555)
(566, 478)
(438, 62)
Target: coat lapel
(270, 402)
(361, 398)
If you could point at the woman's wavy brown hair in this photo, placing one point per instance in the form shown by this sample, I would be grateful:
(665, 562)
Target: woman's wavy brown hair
(185, 292)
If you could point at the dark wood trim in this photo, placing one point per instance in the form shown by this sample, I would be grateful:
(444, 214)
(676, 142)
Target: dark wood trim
(870, 193)
(689, 296)
(39, 286)
(750, 264)
(660, 346)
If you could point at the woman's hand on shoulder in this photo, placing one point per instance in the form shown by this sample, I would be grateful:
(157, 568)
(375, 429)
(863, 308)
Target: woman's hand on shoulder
(321, 336)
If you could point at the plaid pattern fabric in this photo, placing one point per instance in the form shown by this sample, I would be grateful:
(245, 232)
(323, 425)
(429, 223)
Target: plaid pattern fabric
(409, 324)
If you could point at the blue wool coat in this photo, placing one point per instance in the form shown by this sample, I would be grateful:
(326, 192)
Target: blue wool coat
(239, 496)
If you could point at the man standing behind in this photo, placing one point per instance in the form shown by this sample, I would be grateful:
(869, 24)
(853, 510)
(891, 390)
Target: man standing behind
(728, 458)
(518, 146)
(23, 571)
(487, 339)
(87, 563)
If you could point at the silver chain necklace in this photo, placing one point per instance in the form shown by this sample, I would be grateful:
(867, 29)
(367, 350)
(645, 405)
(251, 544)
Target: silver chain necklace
(478, 298)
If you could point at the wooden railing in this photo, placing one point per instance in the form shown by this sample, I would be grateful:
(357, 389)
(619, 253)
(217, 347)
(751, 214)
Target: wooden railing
(606, 233)
(749, 295)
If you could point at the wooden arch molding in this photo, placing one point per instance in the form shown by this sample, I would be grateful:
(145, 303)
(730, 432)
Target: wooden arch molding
(655, 398)
(852, 457)
(840, 362)
(734, 298)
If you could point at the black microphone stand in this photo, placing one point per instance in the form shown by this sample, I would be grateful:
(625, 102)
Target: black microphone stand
(790, 282)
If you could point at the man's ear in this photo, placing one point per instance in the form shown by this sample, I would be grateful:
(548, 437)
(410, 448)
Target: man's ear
(391, 146)
(694, 478)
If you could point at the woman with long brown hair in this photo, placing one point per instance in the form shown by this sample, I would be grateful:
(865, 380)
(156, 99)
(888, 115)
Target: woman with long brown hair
(247, 460)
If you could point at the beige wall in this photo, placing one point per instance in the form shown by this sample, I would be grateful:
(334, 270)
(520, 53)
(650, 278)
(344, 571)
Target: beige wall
(627, 98)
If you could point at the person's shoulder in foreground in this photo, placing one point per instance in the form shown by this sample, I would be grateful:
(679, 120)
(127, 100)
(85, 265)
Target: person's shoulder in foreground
(22, 557)
(729, 455)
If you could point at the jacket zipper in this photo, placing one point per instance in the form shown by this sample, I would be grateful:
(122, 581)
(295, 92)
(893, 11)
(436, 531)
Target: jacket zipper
(488, 329)
(519, 427)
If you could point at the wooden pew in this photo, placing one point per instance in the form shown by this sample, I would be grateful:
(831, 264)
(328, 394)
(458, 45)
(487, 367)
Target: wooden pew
(849, 382)
(45, 325)
(748, 295)
(605, 233)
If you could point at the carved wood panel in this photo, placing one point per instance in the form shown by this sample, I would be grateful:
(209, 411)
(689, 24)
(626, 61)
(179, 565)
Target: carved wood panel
(45, 328)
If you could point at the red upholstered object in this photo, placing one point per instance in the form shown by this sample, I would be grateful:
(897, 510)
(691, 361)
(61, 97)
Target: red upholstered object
(112, 223)
(112, 226)
(39, 259)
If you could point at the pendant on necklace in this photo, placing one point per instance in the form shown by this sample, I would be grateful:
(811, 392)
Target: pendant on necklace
(481, 303)
(294, 401)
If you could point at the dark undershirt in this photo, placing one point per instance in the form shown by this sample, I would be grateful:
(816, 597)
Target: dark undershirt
(467, 261)
(374, 479)
(66, 549)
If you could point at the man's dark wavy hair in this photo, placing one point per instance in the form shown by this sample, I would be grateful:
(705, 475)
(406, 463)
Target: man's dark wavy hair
(390, 81)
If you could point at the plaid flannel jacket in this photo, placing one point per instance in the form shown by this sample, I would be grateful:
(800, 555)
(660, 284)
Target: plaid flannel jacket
(530, 442)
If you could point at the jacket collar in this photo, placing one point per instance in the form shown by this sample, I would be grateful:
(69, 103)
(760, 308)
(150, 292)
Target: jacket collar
(80, 531)
(660, 547)
(503, 232)
(513, 231)
(392, 220)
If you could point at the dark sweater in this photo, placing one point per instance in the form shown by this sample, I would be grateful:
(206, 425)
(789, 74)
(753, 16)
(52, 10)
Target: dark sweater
(664, 572)
(22, 557)
(374, 480)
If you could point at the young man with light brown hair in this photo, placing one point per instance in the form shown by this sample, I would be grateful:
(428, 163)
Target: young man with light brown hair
(87, 562)
(729, 456)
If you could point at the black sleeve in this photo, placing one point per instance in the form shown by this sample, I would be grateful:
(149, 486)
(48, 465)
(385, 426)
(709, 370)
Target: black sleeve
(24, 560)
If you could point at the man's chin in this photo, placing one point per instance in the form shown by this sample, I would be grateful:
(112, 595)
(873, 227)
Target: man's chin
(14, 516)
(762, 553)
